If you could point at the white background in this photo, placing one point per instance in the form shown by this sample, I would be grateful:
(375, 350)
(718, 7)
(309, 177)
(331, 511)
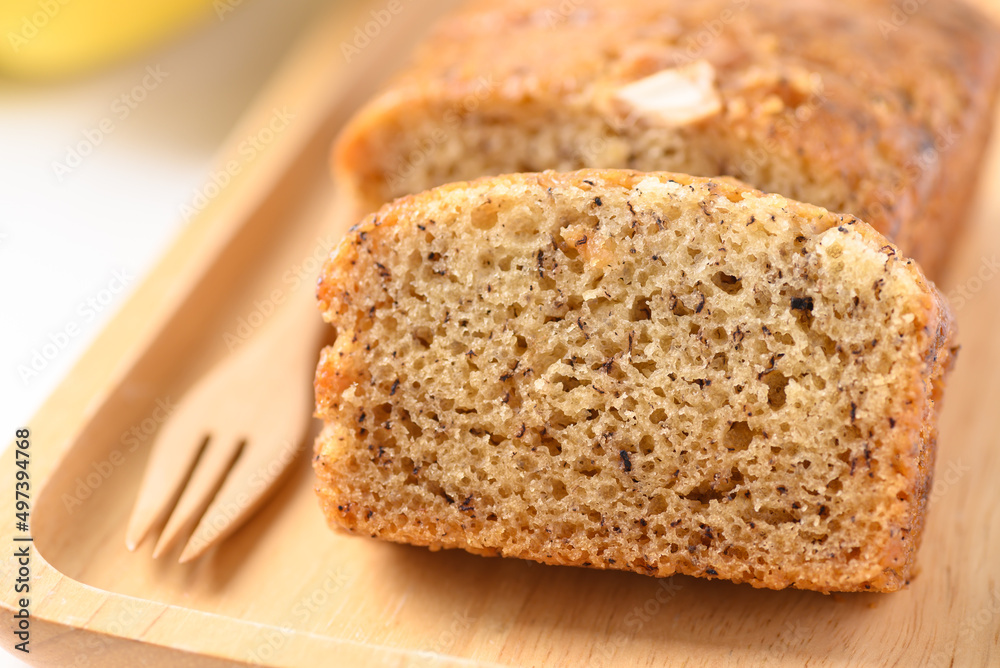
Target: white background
(62, 241)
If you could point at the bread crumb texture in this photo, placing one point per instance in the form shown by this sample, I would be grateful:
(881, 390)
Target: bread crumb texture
(822, 101)
(647, 372)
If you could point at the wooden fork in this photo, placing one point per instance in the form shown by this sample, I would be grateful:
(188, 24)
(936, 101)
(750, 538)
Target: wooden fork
(237, 430)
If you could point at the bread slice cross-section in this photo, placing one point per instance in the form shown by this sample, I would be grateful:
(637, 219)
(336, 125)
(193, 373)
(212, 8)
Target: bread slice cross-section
(649, 372)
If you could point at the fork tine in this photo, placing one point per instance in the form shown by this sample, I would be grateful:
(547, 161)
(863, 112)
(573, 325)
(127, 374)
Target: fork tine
(245, 488)
(175, 452)
(215, 462)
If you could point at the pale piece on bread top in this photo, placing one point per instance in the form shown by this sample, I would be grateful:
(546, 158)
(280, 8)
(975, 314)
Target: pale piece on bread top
(649, 372)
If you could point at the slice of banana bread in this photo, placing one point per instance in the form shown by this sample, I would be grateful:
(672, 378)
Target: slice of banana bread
(648, 372)
(852, 105)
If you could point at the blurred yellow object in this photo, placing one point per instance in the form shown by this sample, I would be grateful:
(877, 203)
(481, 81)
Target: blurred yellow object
(50, 38)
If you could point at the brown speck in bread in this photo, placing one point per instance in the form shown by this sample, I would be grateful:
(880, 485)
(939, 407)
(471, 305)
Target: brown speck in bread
(802, 303)
(467, 504)
(547, 442)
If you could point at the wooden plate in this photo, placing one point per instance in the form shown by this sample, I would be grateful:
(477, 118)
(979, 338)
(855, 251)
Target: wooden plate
(285, 591)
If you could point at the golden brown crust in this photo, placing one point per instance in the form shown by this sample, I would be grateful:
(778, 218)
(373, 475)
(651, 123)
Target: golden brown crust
(831, 101)
(903, 445)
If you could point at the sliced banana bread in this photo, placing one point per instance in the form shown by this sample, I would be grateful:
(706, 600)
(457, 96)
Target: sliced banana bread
(648, 372)
(853, 105)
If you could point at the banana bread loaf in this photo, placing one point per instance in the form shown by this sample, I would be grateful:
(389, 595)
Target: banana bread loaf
(853, 105)
(648, 372)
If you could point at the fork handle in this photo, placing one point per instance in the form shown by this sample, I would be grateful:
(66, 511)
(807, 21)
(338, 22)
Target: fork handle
(288, 344)
(300, 320)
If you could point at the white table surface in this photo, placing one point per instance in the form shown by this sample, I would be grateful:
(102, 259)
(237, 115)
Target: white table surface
(73, 248)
